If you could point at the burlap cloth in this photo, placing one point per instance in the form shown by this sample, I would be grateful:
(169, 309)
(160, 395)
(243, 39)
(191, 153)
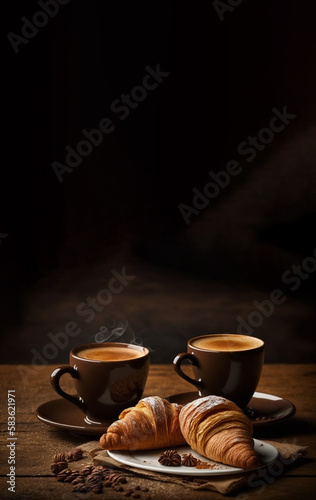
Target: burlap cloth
(288, 454)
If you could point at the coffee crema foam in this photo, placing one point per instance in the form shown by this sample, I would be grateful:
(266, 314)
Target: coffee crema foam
(227, 343)
(110, 353)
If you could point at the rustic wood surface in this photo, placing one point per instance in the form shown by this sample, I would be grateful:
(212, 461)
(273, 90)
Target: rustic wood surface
(36, 442)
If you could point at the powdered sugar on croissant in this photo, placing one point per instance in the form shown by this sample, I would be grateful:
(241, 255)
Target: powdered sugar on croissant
(218, 429)
(152, 423)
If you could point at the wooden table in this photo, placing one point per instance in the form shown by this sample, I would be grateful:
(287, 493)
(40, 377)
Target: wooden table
(36, 442)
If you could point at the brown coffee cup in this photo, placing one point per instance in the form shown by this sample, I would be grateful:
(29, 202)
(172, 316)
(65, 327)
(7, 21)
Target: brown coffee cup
(227, 365)
(108, 378)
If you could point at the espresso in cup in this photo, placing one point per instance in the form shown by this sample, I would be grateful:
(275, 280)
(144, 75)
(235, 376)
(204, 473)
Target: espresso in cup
(110, 353)
(107, 377)
(227, 365)
(227, 342)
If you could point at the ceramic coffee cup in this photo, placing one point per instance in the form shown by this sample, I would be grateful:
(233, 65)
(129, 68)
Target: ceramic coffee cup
(227, 365)
(108, 378)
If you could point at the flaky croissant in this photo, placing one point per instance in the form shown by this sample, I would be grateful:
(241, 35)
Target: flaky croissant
(218, 429)
(152, 423)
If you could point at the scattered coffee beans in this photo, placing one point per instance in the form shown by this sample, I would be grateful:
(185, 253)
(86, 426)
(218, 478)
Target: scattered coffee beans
(74, 455)
(91, 478)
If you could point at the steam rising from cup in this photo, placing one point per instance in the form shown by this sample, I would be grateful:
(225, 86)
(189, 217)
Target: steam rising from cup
(117, 328)
(107, 335)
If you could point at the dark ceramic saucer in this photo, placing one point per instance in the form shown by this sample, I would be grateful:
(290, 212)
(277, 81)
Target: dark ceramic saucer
(263, 409)
(64, 415)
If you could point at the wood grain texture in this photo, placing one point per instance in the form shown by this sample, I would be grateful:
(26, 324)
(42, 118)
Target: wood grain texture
(37, 442)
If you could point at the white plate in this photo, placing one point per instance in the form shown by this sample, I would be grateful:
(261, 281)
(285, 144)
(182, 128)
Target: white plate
(148, 460)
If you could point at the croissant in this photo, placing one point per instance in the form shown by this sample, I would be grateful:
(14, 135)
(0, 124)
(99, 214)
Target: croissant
(152, 423)
(218, 429)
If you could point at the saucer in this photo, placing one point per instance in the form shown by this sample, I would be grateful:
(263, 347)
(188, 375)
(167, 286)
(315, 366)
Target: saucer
(263, 409)
(64, 415)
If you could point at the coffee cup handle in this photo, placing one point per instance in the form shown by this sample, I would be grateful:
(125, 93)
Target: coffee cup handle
(54, 380)
(177, 366)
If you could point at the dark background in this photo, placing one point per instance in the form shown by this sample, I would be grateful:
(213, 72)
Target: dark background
(119, 207)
